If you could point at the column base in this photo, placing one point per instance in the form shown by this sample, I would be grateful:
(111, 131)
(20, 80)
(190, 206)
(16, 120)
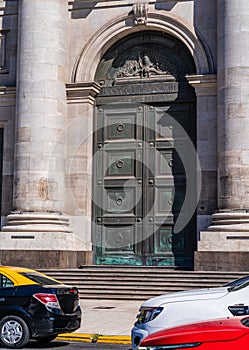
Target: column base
(42, 240)
(222, 251)
(234, 221)
(232, 241)
(36, 222)
(31, 240)
(225, 244)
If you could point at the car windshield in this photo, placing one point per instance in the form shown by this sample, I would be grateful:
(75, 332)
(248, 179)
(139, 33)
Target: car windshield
(238, 284)
(39, 278)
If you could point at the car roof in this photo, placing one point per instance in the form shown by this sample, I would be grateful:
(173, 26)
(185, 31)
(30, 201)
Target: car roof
(15, 268)
(14, 273)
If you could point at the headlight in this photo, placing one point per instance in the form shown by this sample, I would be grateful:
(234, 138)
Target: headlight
(148, 314)
(170, 347)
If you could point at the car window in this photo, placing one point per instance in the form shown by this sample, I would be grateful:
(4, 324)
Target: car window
(39, 278)
(5, 282)
(237, 282)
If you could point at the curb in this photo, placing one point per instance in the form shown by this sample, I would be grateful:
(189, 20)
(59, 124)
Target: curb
(96, 338)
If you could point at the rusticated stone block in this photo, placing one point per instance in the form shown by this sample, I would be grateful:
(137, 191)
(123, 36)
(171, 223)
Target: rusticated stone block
(42, 259)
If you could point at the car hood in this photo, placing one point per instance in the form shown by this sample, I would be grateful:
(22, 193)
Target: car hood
(209, 331)
(197, 294)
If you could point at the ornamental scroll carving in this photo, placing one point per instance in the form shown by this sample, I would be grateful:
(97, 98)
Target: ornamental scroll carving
(140, 11)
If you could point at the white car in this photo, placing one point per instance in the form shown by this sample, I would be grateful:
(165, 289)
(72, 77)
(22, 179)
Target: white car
(180, 308)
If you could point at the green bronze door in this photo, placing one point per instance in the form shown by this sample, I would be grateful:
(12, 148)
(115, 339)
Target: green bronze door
(145, 126)
(139, 185)
(119, 185)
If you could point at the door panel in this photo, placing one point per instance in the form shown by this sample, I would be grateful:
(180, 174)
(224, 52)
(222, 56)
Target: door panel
(139, 185)
(118, 187)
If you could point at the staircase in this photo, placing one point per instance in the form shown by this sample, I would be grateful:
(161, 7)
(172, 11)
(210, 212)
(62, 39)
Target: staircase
(137, 283)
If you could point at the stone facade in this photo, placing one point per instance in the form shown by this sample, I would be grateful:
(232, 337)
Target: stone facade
(49, 55)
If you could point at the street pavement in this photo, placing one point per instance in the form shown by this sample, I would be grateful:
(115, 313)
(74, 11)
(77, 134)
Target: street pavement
(64, 345)
(107, 321)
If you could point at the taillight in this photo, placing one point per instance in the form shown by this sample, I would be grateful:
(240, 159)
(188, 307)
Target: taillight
(73, 291)
(49, 300)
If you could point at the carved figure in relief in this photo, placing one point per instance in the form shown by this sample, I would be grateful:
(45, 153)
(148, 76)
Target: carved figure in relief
(147, 67)
(142, 67)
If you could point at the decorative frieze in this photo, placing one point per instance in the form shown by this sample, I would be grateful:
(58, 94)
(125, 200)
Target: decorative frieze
(138, 87)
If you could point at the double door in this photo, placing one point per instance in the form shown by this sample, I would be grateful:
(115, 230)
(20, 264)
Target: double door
(139, 185)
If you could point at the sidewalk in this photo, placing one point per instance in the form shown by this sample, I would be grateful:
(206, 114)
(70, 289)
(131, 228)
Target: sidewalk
(107, 321)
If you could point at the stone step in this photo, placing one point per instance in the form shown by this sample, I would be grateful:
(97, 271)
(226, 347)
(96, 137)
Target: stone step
(120, 288)
(144, 277)
(123, 294)
(137, 283)
(150, 272)
(135, 269)
(145, 282)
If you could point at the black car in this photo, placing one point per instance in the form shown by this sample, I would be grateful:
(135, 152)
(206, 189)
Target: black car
(35, 306)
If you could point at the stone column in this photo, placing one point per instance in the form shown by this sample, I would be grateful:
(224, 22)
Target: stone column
(41, 106)
(39, 174)
(233, 104)
(228, 236)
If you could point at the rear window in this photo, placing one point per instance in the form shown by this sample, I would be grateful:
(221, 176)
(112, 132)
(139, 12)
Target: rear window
(5, 282)
(38, 278)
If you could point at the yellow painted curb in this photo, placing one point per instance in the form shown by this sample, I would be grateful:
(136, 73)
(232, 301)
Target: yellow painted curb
(88, 338)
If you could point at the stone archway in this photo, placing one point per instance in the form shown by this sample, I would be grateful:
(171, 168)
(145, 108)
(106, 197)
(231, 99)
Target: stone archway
(88, 60)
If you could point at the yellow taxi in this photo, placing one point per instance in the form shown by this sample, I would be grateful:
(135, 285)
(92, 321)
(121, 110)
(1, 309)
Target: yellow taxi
(35, 306)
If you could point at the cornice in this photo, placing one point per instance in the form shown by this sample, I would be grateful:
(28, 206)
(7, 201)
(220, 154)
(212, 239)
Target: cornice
(205, 84)
(75, 5)
(203, 80)
(80, 92)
